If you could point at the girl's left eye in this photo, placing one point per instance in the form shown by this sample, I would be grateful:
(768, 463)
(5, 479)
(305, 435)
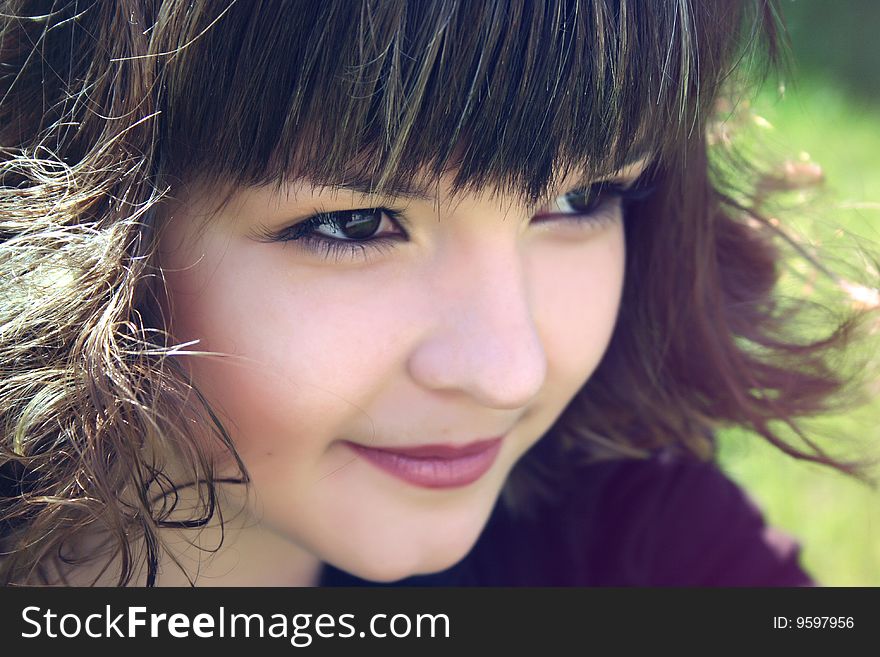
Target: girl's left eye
(593, 204)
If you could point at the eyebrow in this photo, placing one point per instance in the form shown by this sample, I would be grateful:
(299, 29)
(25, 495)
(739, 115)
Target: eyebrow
(365, 186)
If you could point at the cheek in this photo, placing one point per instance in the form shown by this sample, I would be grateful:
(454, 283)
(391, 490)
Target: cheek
(302, 355)
(577, 291)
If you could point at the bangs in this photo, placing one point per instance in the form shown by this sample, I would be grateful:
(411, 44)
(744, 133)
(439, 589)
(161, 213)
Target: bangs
(515, 95)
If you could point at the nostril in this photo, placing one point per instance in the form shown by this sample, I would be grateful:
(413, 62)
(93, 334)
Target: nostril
(502, 369)
(480, 336)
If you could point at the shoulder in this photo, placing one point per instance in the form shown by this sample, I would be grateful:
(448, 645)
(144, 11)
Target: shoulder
(675, 521)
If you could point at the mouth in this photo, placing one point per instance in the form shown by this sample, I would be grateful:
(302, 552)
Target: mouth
(434, 466)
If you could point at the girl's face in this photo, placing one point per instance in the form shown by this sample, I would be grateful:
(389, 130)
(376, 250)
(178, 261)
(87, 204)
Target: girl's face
(468, 318)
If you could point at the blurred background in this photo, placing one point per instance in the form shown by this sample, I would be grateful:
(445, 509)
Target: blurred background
(825, 113)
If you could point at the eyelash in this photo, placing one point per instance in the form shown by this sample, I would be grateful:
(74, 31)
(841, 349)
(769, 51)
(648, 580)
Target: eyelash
(326, 247)
(303, 233)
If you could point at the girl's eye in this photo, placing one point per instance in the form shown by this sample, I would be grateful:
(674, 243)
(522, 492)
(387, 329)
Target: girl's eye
(345, 232)
(580, 201)
(352, 224)
(349, 233)
(593, 204)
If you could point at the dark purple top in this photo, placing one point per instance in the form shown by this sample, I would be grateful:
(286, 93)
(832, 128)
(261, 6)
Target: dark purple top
(664, 521)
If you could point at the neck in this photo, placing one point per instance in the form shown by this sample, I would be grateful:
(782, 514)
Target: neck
(247, 557)
(243, 552)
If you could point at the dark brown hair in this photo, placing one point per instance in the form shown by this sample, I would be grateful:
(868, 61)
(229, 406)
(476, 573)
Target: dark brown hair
(107, 107)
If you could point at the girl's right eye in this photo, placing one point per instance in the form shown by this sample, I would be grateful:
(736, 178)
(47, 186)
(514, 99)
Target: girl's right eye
(345, 232)
(348, 224)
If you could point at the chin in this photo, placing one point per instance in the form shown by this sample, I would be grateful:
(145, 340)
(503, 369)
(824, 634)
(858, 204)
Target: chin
(386, 571)
(384, 566)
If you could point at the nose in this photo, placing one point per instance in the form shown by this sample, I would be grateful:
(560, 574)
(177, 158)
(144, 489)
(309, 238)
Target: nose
(481, 339)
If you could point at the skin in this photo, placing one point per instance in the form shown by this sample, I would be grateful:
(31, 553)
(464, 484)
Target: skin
(484, 321)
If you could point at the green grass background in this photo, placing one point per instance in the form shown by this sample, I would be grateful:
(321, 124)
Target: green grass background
(835, 518)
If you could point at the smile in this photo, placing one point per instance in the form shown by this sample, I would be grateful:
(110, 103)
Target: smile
(434, 466)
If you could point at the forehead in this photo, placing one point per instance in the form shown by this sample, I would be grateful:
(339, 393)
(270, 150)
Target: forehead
(425, 186)
(375, 96)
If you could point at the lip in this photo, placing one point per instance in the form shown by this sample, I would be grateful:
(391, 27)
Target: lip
(434, 466)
